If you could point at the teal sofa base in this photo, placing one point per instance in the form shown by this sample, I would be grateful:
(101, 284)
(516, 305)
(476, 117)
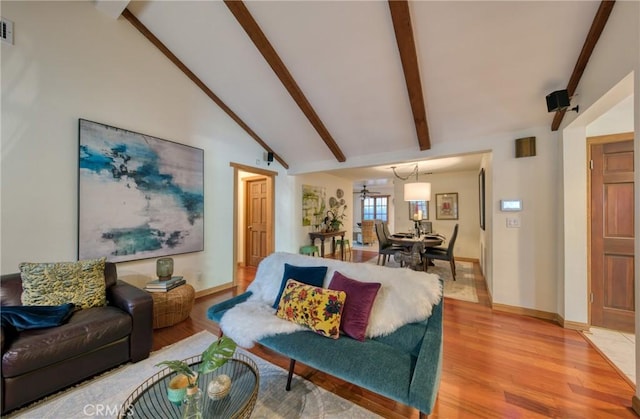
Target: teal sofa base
(405, 365)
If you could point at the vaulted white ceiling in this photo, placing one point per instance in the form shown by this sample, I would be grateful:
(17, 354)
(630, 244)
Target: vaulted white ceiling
(485, 67)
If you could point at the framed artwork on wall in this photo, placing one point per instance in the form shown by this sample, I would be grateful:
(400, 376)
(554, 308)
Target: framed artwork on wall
(447, 206)
(314, 205)
(139, 196)
(418, 210)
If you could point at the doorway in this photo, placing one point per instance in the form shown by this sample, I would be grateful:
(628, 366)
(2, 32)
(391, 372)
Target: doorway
(255, 210)
(253, 216)
(612, 220)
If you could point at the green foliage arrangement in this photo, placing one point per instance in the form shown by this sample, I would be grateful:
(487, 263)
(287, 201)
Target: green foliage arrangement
(215, 356)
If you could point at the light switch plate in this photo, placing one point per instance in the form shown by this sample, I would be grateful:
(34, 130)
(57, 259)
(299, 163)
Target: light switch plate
(513, 222)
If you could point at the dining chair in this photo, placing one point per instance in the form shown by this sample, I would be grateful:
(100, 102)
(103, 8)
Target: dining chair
(426, 227)
(385, 247)
(385, 229)
(444, 253)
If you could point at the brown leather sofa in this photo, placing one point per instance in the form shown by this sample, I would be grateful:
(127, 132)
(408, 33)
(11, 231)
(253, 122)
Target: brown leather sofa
(39, 362)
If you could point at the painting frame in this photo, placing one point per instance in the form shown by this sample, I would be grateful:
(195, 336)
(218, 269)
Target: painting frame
(481, 198)
(414, 206)
(314, 205)
(447, 206)
(139, 196)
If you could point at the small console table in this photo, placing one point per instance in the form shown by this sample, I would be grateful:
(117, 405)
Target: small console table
(320, 235)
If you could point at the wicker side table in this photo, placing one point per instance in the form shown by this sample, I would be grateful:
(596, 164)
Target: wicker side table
(173, 306)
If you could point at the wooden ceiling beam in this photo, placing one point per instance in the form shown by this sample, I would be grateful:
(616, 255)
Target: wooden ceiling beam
(248, 23)
(597, 26)
(175, 60)
(407, 47)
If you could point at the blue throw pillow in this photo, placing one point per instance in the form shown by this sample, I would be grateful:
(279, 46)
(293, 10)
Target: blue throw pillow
(310, 275)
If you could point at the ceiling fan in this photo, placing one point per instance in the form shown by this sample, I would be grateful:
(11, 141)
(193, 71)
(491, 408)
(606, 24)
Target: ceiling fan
(365, 193)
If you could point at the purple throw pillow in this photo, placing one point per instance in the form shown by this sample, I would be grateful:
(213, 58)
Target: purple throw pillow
(358, 305)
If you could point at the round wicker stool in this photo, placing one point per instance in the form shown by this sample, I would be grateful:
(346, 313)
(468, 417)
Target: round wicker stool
(173, 306)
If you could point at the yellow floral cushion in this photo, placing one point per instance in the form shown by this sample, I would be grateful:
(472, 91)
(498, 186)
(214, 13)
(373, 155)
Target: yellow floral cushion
(318, 308)
(51, 284)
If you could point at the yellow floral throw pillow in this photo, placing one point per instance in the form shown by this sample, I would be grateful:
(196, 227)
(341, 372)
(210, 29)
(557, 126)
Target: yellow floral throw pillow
(318, 308)
(52, 284)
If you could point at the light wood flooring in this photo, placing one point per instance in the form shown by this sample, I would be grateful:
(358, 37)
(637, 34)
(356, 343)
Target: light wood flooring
(496, 365)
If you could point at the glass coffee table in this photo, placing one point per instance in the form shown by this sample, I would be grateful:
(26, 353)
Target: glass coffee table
(150, 400)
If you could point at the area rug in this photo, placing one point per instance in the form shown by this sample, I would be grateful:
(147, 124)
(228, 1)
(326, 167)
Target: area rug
(102, 396)
(463, 288)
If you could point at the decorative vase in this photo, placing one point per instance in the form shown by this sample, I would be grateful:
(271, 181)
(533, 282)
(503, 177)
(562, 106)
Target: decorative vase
(177, 389)
(192, 404)
(164, 268)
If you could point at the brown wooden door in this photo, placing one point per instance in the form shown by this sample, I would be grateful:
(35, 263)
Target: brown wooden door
(256, 211)
(612, 236)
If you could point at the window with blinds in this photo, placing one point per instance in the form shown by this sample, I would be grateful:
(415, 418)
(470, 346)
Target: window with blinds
(375, 208)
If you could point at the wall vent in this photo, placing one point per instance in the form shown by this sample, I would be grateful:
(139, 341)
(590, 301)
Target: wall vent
(6, 30)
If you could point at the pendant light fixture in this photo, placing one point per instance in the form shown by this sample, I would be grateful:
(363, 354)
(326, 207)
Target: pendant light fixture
(414, 191)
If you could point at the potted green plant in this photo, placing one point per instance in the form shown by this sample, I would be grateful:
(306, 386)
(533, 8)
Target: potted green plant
(215, 356)
(334, 217)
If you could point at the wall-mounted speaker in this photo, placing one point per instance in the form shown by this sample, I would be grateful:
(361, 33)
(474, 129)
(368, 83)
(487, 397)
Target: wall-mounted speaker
(269, 158)
(526, 147)
(558, 100)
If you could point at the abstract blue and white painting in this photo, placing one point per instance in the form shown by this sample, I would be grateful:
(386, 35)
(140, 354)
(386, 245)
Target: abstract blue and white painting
(139, 196)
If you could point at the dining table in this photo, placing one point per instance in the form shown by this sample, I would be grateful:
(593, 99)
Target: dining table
(415, 246)
(407, 240)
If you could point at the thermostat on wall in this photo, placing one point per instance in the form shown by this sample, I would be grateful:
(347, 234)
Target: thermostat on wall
(511, 205)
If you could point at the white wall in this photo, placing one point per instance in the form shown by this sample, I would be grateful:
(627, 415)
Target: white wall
(618, 119)
(524, 260)
(608, 80)
(612, 75)
(71, 61)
